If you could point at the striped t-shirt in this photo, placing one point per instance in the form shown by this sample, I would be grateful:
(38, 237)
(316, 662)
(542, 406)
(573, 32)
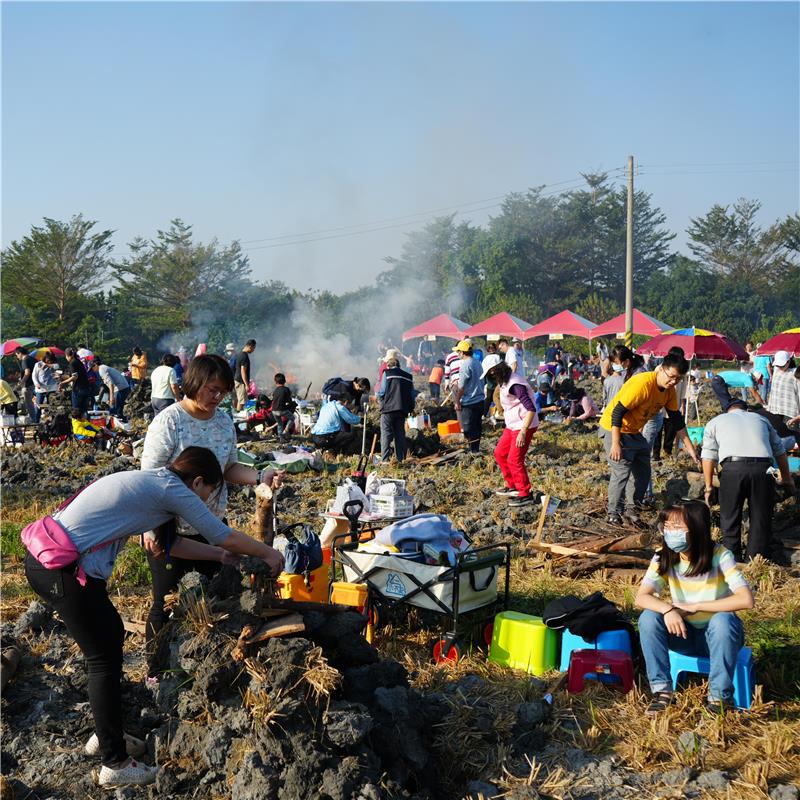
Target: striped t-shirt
(722, 580)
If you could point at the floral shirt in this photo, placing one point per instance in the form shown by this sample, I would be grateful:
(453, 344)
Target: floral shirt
(174, 429)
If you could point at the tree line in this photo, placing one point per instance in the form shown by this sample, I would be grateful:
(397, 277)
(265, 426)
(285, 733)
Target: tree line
(540, 254)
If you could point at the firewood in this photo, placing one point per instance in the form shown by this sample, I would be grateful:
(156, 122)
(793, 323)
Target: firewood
(280, 626)
(263, 521)
(132, 626)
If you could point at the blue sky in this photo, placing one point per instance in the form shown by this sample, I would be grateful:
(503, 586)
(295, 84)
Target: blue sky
(258, 120)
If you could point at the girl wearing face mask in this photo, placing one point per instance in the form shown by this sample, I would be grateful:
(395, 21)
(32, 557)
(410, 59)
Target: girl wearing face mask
(707, 588)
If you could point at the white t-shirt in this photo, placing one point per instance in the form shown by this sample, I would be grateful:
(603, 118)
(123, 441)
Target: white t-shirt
(112, 378)
(160, 381)
(174, 429)
(514, 360)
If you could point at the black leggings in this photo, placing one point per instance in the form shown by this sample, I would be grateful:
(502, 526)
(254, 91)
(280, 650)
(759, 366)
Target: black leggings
(166, 581)
(93, 622)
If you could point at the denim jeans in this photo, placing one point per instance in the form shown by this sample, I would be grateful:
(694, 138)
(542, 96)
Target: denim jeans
(120, 396)
(471, 421)
(720, 642)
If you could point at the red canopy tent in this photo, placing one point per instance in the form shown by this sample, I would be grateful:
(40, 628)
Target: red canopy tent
(643, 324)
(443, 325)
(565, 323)
(502, 324)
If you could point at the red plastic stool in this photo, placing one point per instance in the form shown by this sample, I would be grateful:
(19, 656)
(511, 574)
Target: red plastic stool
(597, 663)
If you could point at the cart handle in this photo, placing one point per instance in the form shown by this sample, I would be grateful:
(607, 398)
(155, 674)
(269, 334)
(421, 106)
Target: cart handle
(490, 560)
(472, 581)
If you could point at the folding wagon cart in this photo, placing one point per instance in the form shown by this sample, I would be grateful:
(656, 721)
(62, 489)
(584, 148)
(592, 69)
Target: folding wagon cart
(465, 594)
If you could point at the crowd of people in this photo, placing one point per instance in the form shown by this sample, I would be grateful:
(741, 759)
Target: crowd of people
(177, 501)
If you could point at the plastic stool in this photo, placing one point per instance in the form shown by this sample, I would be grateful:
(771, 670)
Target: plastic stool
(696, 434)
(743, 676)
(595, 663)
(606, 640)
(521, 641)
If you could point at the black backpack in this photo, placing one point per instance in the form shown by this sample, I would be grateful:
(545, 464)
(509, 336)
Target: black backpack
(334, 388)
(585, 618)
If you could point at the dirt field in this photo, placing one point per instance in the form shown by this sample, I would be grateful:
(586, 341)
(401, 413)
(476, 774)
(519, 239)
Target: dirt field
(326, 715)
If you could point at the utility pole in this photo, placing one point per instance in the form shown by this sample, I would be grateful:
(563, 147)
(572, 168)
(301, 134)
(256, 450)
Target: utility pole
(629, 261)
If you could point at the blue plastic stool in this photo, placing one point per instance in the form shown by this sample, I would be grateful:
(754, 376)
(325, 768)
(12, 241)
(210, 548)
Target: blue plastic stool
(606, 640)
(743, 676)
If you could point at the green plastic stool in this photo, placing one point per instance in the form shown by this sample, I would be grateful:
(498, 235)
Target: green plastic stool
(521, 641)
(696, 434)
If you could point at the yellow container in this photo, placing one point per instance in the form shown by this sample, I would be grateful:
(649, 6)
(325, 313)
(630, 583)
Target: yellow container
(521, 641)
(293, 587)
(349, 594)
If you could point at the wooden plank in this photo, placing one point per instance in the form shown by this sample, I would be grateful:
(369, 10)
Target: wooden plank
(134, 627)
(280, 626)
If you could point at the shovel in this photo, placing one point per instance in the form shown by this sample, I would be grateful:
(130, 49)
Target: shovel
(360, 475)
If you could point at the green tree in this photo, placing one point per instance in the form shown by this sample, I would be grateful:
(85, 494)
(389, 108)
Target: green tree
(729, 241)
(166, 279)
(48, 272)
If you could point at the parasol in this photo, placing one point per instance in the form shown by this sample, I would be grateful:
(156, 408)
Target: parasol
(84, 354)
(696, 343)
(788, 340)
(39, 352)
(7, 348)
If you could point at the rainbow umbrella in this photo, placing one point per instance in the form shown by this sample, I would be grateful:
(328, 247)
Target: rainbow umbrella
(696, 343)
(39, 352)
(7, 348)
(788, 340)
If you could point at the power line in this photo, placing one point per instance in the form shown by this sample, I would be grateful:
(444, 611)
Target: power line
(718, 172)
(453, 207)
(719, 164)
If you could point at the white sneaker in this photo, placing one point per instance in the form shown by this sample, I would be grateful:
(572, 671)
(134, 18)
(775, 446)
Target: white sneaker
(130, 773)
(133, 746)
(505, 492)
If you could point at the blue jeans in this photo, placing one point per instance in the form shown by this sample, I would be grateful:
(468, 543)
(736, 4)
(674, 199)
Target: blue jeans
(720, 641)
(80, 400)
(120, 396)
(41, 398)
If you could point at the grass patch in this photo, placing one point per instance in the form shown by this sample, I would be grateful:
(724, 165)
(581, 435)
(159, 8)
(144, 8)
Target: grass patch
(131, 567)
(11, 547)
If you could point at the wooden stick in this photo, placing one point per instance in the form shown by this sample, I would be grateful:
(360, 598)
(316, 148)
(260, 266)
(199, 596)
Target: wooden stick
(372, 449)
(542, 518)
(134, 627)
(263, 528)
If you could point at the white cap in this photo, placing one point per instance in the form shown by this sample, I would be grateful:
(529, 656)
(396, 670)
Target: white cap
(781, 358)
(492, 360)
(230, 347)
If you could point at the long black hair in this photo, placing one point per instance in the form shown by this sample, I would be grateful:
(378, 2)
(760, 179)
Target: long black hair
(501, 373)
(197, 462)
(697, 518)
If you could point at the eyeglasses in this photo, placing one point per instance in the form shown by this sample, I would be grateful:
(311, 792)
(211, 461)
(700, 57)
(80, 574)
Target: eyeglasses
(215, 393)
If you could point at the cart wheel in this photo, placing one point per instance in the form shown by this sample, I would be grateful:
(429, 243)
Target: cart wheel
(488, 631)
(452, 654)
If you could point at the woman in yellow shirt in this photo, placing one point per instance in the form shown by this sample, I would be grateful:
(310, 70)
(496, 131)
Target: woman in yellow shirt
(138, 366)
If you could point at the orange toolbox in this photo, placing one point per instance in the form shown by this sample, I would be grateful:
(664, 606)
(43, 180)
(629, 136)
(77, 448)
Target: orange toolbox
(446, 428)
(293, 587)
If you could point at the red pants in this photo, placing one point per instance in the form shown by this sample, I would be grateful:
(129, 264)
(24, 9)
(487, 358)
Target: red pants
(511, 460)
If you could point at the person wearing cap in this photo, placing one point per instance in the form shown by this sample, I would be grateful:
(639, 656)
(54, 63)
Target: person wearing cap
(519, 410)
(396, 394)
(744, 445)
(784, 394)
(469, 396)
(230, 354)
(452, 366)
(544, 398)
(513, 354)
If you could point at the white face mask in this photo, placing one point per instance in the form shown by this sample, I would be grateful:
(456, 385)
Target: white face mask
(617, 367)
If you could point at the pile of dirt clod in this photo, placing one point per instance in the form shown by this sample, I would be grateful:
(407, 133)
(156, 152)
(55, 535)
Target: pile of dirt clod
(319, 714)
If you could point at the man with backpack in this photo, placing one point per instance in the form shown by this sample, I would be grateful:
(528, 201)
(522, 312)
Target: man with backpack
(397, 395)
(347, 392)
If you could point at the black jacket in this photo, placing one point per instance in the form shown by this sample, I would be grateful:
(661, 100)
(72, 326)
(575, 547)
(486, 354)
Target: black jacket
(399, 394)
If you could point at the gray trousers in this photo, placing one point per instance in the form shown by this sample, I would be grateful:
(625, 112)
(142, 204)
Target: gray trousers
(393, 429)
(635, 460)
(30, 406)
(650, 432)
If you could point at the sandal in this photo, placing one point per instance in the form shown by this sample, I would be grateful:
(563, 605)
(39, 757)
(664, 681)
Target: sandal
(660, 702)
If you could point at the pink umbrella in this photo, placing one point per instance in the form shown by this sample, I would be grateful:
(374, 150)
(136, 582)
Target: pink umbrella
(788, 340)
(696, 343)
(12, 344)
(643, 324)
(502, 324)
